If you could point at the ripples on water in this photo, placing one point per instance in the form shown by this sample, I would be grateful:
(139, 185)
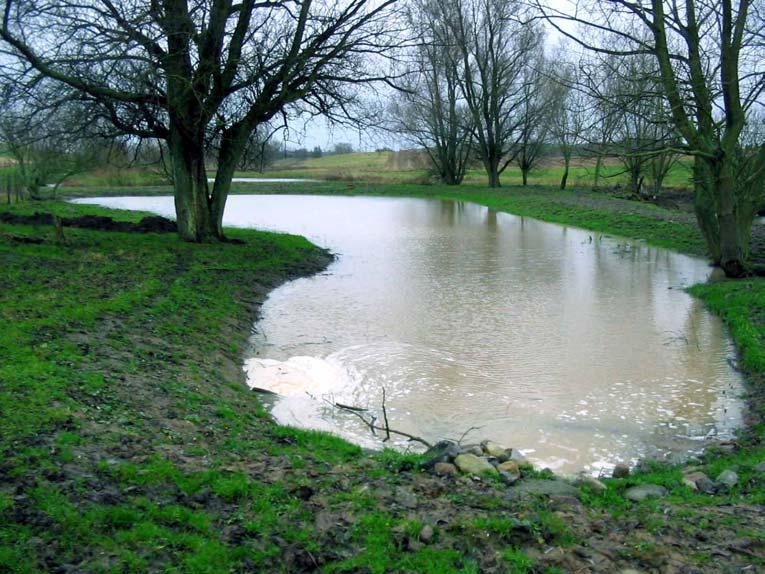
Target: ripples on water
(580, 349)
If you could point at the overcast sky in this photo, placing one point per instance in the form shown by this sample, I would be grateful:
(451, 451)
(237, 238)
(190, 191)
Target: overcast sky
(318, 132)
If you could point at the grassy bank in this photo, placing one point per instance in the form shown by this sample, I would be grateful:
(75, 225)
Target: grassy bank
(130, 444)
(385, 167)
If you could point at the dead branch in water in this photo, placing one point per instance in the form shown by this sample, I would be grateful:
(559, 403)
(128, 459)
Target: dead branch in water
(468, 431)
(370, 422)
(385, 418)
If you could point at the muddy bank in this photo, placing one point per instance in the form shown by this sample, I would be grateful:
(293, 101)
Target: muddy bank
(148, 224)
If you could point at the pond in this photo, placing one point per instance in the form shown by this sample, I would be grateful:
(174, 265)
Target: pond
(580, 349)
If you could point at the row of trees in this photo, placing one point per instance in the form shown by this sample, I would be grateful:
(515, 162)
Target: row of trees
(480, 85)
(708, 72)
(656, 78)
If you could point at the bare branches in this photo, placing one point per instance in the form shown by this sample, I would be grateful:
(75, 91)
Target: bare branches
(188, 71)
(429, 110)
(708, 57)
(370, 421)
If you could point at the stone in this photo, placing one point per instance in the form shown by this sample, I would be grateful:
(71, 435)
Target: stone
(560, 501)
(621, 471)
(495, 450)
(509, 471)
(539, 487)
(405, 498)
(728, 478)
(593, 484)
(443, 451)
(474, 449)
(726, 447)
(645, 491)
(509, 466)
(506, 456)
(518, 457)
(706, 486)
(759, 467)
(692, 479)
(471, 464)
(509, 477)
(426, 534)
(325, 521)
(445, 469)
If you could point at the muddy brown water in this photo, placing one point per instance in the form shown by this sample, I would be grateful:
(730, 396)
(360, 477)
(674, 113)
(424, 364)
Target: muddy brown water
(580, 349)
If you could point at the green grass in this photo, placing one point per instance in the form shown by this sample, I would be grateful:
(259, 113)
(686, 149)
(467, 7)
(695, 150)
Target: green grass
(156, 311)
(135, 448)
(378, 167)
(130, 444)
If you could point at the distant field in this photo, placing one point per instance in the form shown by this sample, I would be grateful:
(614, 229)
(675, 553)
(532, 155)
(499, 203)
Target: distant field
(118, 177)
(375, 168)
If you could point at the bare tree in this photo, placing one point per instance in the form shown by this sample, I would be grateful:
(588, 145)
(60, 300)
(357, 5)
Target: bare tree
(49, 138)
(429, 111)
(709, 59)
(595, 79)
(178, 69)
(570, 114)
(644, 139)
(494, 46)
(536, 109)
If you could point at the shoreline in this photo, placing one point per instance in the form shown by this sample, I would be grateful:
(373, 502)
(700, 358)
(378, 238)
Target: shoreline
(131, 443)
(753, 406)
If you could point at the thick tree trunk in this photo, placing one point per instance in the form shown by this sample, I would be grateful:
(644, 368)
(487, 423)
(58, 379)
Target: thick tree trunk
(525, 176)
(704, 205)
(491, 165)
(232, 149)
(734, 236)
(221, 189)
(192, 204)
(493, 173)
(724, 222)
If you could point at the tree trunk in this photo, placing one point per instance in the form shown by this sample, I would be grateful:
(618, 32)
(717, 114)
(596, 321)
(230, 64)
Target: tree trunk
(598, 165)
(734, 246)
(704, 206)
(725, 224)
(221, 189)
(525, 176)
(492, 171)
(232, 149)
(192, 204)
(564, 178)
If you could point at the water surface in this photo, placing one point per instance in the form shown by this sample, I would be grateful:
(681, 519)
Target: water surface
(580, 349)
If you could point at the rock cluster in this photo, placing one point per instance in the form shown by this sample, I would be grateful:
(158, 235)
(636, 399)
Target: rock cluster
(489, 459)
(700, 482)
(486, 459)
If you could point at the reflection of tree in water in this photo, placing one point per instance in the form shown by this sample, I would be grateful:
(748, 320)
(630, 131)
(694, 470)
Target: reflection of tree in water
(451, 211)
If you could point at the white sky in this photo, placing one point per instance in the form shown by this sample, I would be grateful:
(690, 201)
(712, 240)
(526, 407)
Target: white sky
(317, 132)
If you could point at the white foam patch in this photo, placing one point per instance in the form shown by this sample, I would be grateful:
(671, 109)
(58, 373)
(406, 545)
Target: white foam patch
(297, 376)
